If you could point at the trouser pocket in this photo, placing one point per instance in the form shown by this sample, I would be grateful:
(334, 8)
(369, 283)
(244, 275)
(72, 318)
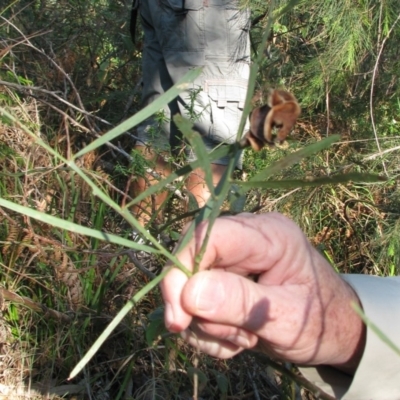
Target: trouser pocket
(227, 97)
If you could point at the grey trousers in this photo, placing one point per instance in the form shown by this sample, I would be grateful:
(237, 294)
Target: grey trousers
(181, 35)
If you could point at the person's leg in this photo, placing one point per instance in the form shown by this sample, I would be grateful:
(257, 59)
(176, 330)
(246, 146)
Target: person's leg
(219, 41)
(153, 133)
(196, 183)
(169, 55)
(145, 209)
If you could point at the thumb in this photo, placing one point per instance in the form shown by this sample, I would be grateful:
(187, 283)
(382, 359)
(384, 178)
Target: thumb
(226, 298)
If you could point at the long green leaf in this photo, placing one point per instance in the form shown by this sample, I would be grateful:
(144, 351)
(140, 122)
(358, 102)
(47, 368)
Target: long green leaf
(210, 211)
(254, 71)
(285, 8)
(295, 157)
(72, 227)
(146, 112)
(326, 180)
(115, 322)
(197, 144)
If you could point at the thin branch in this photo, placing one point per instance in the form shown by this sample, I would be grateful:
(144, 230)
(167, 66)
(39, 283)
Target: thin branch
(381, 153)
(25, 88)
(41, 308)
(51, 60)
(139, 265)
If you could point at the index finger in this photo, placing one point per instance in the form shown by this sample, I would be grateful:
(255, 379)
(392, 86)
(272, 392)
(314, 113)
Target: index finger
(243, 244)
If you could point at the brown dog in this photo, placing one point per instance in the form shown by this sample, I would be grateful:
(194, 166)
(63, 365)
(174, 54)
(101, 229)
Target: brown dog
(281, 112)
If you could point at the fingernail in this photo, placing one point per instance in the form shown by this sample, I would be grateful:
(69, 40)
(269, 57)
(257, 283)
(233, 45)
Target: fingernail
(209, 294)
(238, 340)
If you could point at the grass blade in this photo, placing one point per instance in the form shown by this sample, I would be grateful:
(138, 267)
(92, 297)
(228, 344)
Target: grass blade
(72, 227)
(325, 180)
(115, 322)
(197, 144)
(296, 157)
(146, 112)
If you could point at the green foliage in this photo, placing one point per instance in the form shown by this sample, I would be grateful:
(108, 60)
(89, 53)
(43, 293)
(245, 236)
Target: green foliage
(329, 48)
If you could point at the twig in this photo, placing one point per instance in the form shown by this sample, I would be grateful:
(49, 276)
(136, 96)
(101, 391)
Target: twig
(15, 298)
(376, 155)
(25, 88)
(7, 49)
(139, 265)
(66, 76)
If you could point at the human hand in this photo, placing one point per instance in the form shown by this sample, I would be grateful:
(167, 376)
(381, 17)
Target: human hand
(298, 310)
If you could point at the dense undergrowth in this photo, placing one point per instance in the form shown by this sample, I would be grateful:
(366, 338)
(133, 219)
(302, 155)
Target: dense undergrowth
(69, 73)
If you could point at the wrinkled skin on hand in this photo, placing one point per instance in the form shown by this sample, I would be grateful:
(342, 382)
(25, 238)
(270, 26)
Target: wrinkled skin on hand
(298, 309)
